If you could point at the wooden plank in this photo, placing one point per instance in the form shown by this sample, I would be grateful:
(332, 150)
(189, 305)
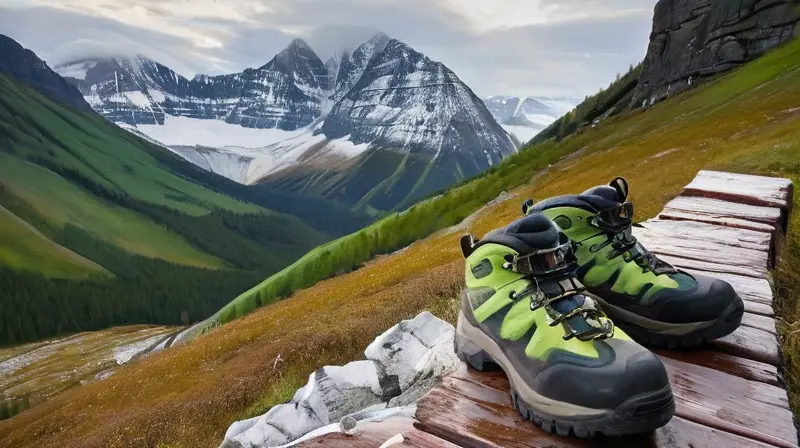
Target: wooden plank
(715, 210)
(736, 223)
(748, 288)
(712, 268)
(756, 292)
(375, 434)
(748, 408)
(419, 439)
(741, 188)
(723, 362)
(760, 322)
(751, 343)
(471, 414)
(758, 308)
(701, 232)
(690, 246)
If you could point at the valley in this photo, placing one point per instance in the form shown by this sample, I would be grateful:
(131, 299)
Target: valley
(32, 373)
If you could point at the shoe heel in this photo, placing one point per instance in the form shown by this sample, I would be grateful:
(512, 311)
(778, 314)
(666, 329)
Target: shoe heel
(470, 353)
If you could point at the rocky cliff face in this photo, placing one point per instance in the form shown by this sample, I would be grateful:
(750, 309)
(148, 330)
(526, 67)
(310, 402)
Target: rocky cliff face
(23, 65)
(694, 39)
(285, 93)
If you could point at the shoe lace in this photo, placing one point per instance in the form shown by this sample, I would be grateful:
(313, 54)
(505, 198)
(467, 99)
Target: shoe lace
(598, 327)
(617, 223)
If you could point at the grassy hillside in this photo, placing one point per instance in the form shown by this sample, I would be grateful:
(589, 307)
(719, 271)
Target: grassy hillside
(747, 121)
(101, 228)
(609, 101)
(23, 247)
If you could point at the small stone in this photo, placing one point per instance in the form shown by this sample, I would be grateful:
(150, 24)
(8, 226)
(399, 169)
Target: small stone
(348, 425)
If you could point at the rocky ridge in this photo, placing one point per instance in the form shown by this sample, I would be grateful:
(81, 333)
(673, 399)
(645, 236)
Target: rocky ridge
(23, 64)
(694, 39)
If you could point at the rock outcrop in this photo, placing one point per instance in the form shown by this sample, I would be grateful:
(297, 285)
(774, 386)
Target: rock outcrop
(24, 66)
(402, 364)
(695, 39)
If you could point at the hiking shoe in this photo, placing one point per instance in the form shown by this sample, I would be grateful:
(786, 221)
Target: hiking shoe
(571, 372)
(652, 301)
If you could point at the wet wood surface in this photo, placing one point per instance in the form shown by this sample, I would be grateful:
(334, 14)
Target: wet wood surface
(728, 393)
(473, 409)
(734, 365)
(750, 343)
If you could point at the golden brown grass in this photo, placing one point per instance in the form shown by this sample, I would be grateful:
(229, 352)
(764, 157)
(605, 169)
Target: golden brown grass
(187, 397)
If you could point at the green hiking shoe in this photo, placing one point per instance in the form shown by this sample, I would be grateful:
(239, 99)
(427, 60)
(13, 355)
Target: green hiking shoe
(652, 301)
(571, 372)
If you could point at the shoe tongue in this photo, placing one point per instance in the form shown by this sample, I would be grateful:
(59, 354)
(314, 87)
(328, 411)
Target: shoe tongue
(568, 304)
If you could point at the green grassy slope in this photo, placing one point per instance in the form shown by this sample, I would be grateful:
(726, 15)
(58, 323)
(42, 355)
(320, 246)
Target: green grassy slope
(24, 248)
(177, 241)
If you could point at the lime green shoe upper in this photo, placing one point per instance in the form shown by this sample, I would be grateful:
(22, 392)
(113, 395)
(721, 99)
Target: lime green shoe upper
(634, 284)
(522, 293)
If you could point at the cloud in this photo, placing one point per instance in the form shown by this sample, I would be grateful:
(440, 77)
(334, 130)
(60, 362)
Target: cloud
(515, 47)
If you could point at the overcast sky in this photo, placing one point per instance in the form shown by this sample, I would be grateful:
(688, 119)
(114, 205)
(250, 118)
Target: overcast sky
(498, 47)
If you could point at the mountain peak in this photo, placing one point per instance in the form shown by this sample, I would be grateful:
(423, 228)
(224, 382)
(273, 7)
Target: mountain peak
(298, 55)
(24, 66)
(298, 44)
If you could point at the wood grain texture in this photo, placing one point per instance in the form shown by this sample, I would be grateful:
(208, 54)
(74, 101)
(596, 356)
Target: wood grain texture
(748, 408)
(760, 322)
(741, 188)
(471, 414)
(751, 343)
(713, 268)
(668, 230)
(715, 211)
(741, 248)
(724, 362)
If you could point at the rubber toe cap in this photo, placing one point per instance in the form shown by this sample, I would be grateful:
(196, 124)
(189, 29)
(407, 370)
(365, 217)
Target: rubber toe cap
(633, 372)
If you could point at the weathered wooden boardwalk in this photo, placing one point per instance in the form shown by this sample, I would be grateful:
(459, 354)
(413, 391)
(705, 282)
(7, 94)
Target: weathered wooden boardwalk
(727, 394)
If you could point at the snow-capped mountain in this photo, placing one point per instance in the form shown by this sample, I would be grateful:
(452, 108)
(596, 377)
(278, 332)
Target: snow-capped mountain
(286, 93)
(379, 127)
(527, 117)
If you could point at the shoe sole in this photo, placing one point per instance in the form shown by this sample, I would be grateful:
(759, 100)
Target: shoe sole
(639, 414)
(657, 334)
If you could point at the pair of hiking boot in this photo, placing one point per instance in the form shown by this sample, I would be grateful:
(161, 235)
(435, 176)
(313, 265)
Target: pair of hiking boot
(542, 299)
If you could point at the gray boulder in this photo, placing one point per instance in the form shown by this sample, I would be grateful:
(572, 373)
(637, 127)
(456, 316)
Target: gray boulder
(402, 365)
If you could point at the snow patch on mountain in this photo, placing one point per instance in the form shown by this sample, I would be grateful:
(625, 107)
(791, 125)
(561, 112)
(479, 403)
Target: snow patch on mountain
(523, 133)
(77, 69)
(526, 117)
(212, 133)
(244, 155)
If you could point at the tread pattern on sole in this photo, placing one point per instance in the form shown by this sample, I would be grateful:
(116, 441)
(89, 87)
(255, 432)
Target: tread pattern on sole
(646, 412)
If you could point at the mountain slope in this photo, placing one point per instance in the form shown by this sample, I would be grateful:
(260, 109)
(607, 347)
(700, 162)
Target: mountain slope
(285, 93)
(424, 128)
(289, 124)
(23, 64)
(175, 239)
(215, 379)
